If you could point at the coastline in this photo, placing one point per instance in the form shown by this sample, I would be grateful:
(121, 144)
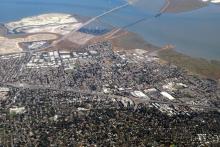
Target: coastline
(196, 66)
(167, 54)
(123, 40)
(3, 30)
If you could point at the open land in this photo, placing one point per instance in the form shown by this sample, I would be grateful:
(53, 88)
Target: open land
(50, 26)
(52, 23)
(33, 29)
(8, 45)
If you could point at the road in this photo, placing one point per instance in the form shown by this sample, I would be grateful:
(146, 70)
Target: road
(77, 29)
(135, 100)
(94, 19)
(165, 7)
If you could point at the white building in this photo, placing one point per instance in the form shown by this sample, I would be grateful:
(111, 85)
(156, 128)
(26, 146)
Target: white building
(4, 89)
(167, 95)
(17, 110)
(139, 94)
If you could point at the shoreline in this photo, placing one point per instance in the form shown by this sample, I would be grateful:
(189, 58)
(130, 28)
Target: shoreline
(126, 40)
(202, 67)
(3, 30)
(195, 66)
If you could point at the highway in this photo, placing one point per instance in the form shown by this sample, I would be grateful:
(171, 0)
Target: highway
(94, 19)
(77, 29)
(145, 19)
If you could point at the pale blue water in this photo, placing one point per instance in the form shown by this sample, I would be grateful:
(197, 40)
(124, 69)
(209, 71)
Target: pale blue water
(194, 33)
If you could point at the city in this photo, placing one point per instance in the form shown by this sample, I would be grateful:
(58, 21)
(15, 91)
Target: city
(95, 96)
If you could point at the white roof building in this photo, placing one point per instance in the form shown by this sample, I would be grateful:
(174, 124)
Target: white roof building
(4, 89)
(64, 52)
(65, 56)
(56, 54)
(93, 52)
(150, 90)
(17, 110)
(139, 94)
(106, 90)
(167, 95)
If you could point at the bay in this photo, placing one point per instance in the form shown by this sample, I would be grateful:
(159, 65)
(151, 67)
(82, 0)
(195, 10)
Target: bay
(195, 33)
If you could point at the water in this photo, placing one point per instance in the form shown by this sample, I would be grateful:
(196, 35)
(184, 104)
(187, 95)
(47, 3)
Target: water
(195, 33)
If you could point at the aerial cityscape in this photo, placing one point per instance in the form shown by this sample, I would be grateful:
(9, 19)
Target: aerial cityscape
(74, 79)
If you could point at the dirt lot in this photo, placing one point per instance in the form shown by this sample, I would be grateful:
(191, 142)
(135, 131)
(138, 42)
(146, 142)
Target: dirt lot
(11, 45)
